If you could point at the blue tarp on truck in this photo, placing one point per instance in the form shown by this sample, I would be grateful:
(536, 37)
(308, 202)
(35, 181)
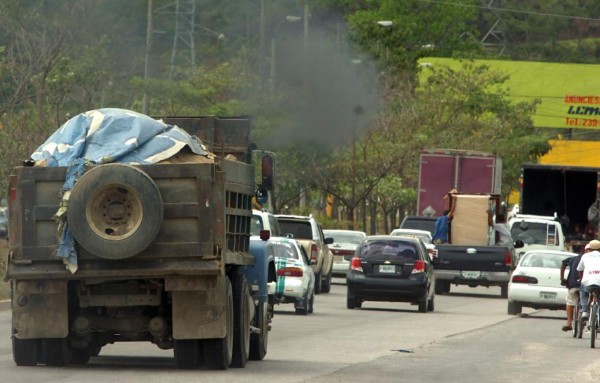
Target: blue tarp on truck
(106, 136)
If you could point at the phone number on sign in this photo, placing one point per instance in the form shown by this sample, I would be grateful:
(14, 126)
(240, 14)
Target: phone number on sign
(584, 122)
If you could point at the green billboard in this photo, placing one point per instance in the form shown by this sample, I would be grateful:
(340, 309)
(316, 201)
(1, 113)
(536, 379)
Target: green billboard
(569, 93)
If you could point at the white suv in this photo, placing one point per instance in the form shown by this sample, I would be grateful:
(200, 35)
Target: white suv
(309, 233)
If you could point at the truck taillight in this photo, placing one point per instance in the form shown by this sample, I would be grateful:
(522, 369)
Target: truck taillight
(419, 266)
(13, 194)
(314, 252)
(508, 258)
(355, 264)
(290, 272)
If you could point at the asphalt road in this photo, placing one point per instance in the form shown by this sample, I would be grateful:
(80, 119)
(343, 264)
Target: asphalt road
(468, 338)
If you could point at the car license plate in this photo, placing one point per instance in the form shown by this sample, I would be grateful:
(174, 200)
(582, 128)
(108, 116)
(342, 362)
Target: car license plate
(387, 268)
(547, 296)
(471, 274)
(338, 259)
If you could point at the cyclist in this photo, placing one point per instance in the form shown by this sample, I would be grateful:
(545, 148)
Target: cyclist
(573, 284)
(589, 274)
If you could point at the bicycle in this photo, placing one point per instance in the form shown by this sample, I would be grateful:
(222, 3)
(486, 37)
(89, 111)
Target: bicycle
(594, 319)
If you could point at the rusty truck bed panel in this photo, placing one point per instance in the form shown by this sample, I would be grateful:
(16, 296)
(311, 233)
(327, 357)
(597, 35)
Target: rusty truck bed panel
(187, 243)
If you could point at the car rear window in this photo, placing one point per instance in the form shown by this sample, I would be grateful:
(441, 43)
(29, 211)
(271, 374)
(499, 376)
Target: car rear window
(299, 229)
(547, 261)
(388, 248)
(284, 250)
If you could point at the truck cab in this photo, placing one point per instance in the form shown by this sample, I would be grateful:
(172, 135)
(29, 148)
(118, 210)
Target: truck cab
(537, 232)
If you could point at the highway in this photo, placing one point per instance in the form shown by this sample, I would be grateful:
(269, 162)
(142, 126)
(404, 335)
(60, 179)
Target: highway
(468, 338)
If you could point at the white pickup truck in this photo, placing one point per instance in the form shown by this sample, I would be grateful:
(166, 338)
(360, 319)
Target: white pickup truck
(537, 232)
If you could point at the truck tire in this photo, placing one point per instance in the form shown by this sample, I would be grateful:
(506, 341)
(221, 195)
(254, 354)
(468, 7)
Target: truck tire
(259, 341)
(25, 351)
(187, 353)
(438, 288)
(326, 283)
(218, 352)
(442, 287)
(311, 303)
(55, 352)
(81, 357)
(115, 211)
(513, 308)
(241, 318)
(504, 291)
(318, 282)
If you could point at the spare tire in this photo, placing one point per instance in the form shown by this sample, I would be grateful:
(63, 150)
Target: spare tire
(115, 211)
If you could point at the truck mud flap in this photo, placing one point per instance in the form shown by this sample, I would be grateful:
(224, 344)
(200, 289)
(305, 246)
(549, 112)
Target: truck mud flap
(198, 307)
(40, 309)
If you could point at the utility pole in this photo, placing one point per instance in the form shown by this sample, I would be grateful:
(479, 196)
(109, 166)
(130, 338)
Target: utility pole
(147, 59)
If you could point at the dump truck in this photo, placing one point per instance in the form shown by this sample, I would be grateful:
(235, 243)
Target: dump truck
(147, 243)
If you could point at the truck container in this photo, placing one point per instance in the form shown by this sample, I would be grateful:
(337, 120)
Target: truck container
(443, 170)
(566, 192)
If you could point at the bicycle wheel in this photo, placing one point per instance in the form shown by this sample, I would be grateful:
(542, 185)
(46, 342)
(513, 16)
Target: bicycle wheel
(593, 323)
(582, 325)
(576, 319)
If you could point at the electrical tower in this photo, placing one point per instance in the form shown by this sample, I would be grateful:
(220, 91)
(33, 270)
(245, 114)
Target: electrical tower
(183, 39)
(495, 37)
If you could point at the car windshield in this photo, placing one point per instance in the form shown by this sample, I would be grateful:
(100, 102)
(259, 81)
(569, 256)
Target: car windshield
(533, 233)
(544, 260)
(378, 248)
(342, 237)
(285, 250)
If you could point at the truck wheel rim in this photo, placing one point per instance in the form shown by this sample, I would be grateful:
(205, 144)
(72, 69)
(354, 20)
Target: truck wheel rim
(114, 212)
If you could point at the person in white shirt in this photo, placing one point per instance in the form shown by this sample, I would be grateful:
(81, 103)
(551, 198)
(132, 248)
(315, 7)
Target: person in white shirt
(503, 230)
(589, 273)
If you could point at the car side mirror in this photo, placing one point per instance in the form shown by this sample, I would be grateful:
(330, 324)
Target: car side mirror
(348, 257)
(519, 244)
(328, 241)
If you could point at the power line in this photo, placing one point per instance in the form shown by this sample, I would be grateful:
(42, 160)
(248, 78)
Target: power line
(509, 10)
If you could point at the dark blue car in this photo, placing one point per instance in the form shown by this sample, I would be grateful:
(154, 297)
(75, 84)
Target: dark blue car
(392, 269)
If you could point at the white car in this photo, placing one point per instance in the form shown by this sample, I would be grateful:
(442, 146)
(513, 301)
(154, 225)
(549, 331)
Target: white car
(344, 243)
(535, 282)
(295, 276)
(423, 235)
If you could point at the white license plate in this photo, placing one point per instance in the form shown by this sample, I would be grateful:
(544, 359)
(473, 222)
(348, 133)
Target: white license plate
(338, 259)
(387, 268)
(470, 274)
(547, 296)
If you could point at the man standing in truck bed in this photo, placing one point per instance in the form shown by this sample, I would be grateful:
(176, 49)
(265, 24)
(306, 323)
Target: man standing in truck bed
(440, 235)
(502, 228)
